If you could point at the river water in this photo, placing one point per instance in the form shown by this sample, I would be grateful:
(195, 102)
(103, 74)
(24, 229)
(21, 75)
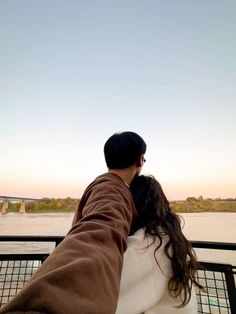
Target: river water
(219, 227)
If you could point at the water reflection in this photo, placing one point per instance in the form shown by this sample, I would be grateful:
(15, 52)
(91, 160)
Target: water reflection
(218, 227)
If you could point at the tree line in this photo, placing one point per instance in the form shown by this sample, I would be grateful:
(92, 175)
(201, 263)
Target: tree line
(191, 204)
(46, 205)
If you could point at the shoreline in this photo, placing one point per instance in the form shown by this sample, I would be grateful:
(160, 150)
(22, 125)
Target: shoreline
(72, 212)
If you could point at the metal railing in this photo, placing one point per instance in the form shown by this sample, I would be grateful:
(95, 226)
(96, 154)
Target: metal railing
(218, 296)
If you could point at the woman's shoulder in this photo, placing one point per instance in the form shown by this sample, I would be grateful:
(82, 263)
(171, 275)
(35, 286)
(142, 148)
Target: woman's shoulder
(137, 236)
(140, 238)
(137, 239)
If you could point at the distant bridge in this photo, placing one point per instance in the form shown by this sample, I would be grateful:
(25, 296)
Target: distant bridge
(5, 202)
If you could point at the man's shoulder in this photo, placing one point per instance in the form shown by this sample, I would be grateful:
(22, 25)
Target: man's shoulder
(107, 180)
(107, 186)
(109, 176)
(105, 191)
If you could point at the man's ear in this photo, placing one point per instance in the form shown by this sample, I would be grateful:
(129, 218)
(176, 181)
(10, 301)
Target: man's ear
(139, 162)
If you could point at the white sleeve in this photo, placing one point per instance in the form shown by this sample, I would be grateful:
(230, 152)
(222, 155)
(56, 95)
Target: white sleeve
(142, 282)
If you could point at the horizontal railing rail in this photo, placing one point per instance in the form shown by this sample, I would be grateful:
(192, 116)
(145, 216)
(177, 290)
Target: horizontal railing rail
(31, 238)
(57, 239)
(214, 245)
(218, 280)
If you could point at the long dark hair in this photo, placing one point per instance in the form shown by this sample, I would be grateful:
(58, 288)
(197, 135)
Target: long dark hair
(155, 215)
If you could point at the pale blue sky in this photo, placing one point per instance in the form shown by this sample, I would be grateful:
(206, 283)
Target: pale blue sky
(74, 72)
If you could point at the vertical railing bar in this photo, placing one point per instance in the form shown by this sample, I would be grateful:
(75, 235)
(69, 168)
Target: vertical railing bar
(223, 275)
(12, 278)
(231, 288)
(4, 283)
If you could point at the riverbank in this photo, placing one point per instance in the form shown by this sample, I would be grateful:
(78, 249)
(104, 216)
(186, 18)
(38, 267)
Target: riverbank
(190, 205)
(203, 205)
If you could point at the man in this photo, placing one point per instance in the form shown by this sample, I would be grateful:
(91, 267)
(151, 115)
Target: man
(82, 275)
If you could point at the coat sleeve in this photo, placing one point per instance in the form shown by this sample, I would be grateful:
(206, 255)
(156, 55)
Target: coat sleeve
(82, 275)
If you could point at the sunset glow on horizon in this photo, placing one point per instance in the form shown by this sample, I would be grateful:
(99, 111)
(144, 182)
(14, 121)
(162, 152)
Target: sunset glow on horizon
(72, 74)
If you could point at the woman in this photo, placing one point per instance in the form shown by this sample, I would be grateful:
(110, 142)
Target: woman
(159, 265)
